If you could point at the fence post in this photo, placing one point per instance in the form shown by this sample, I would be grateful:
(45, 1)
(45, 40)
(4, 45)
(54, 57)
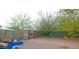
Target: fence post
(34, 34)
(28, 34)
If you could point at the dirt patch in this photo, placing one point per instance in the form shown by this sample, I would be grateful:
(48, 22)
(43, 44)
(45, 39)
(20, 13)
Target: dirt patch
(51, 43)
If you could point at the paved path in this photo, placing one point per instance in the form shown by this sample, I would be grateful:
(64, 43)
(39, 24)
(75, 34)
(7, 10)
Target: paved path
(49, 43)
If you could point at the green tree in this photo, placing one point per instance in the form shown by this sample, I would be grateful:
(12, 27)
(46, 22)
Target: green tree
(68, 20)
(20, 22)
(0, 26)
(45, 23)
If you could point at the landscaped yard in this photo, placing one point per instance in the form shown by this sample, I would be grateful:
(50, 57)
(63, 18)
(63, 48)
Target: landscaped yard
(51, 43)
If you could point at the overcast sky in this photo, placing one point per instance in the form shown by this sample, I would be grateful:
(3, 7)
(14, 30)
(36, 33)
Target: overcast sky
(9, 8)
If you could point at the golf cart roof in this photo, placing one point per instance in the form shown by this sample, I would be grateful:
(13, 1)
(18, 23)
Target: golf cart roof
(6, 29)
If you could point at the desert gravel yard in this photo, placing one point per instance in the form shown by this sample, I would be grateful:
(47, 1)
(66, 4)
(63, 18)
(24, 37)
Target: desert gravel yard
(51, 43)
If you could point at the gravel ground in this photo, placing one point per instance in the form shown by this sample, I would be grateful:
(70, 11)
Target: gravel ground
(51, 43)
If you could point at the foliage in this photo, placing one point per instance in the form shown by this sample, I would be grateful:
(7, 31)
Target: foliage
(0, 26)
(45, 23)
(68, 20)
(20, 22)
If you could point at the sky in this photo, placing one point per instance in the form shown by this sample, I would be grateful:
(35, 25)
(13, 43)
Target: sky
(9, 8)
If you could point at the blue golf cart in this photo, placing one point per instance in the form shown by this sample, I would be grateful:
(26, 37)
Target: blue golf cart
(8, 40)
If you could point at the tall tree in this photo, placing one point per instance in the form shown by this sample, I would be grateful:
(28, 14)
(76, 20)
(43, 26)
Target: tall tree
(20, 22)
(0, 26)
(68, 20)
(45, 23)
